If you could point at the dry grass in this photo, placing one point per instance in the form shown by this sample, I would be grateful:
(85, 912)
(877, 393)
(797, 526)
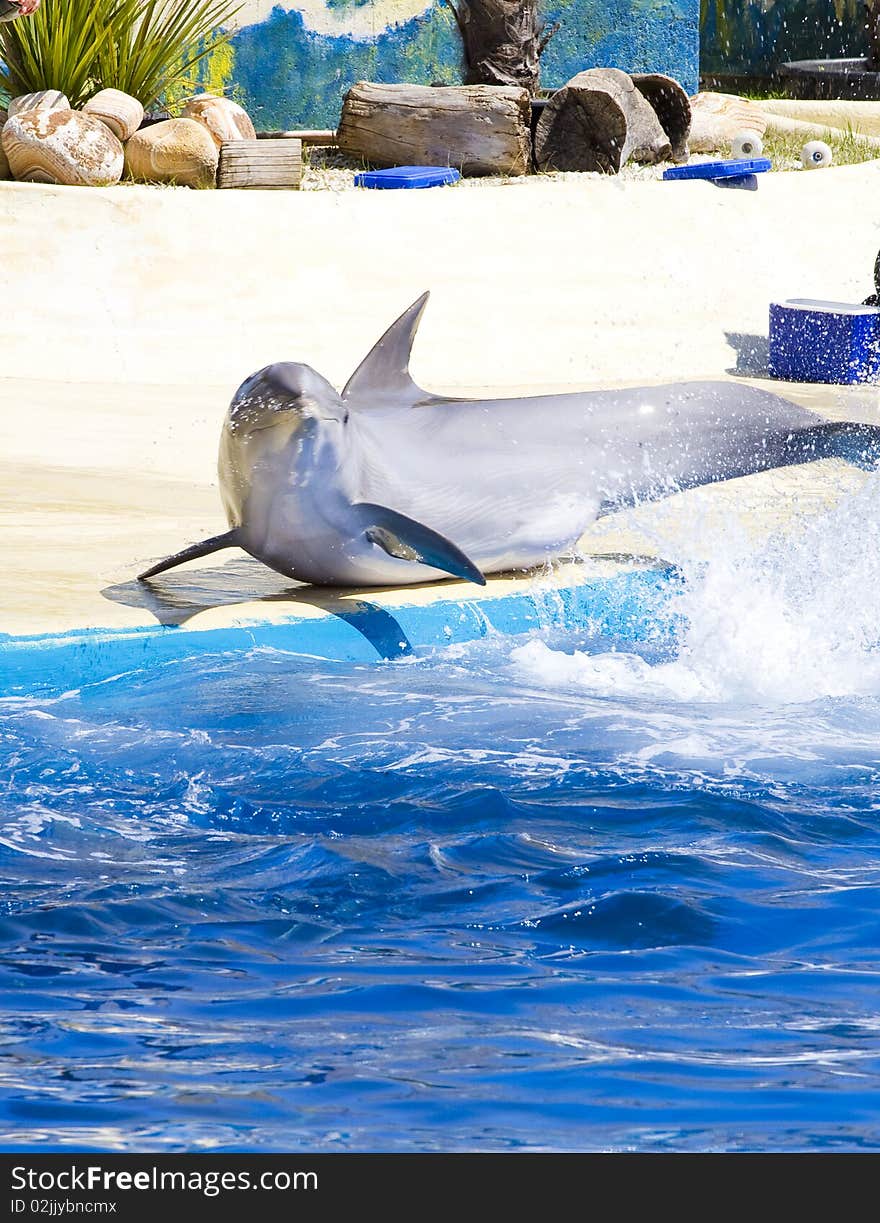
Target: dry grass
(784, 149)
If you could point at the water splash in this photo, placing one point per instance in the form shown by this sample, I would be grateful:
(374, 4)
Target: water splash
(787, 620)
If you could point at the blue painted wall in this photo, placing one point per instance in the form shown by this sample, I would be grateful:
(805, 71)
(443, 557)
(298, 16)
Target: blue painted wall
(288, 75)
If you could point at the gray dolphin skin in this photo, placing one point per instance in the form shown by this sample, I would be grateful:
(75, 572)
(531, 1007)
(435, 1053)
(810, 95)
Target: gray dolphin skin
(389, 485)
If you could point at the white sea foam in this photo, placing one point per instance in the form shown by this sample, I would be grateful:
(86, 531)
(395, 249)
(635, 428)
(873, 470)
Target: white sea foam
(788, 620)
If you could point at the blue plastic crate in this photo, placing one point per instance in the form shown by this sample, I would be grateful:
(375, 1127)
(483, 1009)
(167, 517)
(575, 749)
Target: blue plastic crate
(407, 178)
(821, 341)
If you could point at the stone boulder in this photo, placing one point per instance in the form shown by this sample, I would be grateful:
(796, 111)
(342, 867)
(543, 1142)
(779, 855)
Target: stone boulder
(121, 112)
(61, 146)
(45, 99)
(5, 172)
(178, 151)
(225, 120)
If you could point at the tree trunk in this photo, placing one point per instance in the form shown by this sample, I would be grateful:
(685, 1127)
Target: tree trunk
(476, 129)
(597, 122)
(503, 41)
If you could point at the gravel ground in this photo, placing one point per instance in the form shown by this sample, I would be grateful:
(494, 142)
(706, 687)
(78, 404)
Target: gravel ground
(326, 169)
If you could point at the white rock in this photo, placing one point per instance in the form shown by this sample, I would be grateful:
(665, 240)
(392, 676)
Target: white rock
(120, 111)
(5, 172)
(177, 151)
(45, 99)
(62, 146)
(225, 120)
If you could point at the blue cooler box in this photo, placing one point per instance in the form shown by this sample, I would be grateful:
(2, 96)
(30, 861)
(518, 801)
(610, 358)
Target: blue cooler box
(819, 341)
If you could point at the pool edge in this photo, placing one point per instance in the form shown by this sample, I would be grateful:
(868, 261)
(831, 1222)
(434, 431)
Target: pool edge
(627, 605)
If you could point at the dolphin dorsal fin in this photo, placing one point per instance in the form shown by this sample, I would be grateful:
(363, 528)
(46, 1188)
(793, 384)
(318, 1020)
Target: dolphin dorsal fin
(383, 375)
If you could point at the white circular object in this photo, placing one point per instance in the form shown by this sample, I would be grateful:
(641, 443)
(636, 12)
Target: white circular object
(816, 155)
(746, 144)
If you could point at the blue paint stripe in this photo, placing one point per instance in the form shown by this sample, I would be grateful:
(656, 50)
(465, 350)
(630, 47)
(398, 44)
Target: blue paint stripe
(632, 606)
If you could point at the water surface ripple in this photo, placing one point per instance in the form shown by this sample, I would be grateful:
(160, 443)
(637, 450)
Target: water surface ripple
(526, 894)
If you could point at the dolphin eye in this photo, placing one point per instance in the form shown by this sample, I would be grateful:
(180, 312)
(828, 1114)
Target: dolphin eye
(345, 417)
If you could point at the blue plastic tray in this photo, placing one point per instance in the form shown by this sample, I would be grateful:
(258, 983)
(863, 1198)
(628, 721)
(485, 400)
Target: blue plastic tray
(733, 168)
(407, 177)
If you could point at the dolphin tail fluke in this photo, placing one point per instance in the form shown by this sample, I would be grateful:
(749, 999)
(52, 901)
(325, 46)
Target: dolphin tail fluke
(383, 375)
(205, 548)
(849, 440)
(409, 540)
(858, 444)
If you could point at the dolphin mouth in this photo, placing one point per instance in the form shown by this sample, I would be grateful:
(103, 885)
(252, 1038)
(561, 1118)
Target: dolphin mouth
(247, 427)
(293, 417)
(257, 418)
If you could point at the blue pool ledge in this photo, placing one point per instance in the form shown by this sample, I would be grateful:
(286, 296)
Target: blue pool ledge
(632, 605)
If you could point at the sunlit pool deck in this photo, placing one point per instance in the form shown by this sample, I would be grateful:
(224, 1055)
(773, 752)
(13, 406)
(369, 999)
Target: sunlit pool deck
(131, 315)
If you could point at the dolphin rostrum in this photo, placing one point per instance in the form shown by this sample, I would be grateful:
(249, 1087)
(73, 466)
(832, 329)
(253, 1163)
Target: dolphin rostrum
(387, 484)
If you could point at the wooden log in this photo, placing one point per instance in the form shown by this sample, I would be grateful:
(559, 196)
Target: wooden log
(477, 129)
(585, 130)
(269, 165)
(308, 135)
(597, 122)
(717, 117)
(672, 107)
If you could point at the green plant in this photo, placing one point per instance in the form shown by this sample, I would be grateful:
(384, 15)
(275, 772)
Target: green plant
(81, 46)
(56, 48)
(162, 43)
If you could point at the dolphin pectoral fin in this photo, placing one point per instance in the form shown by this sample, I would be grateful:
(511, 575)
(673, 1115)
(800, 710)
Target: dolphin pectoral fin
(383, 375)
(409, 540)
(205, 548)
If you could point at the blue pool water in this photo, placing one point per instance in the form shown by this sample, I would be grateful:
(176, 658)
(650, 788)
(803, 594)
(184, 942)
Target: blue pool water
(527, 893)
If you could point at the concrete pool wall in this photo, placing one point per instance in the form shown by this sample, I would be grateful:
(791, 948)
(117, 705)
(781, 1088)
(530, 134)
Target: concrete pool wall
(131, 314)
(536, 282)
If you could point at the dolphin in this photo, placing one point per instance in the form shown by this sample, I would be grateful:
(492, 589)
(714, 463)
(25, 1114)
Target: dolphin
(389, 485)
